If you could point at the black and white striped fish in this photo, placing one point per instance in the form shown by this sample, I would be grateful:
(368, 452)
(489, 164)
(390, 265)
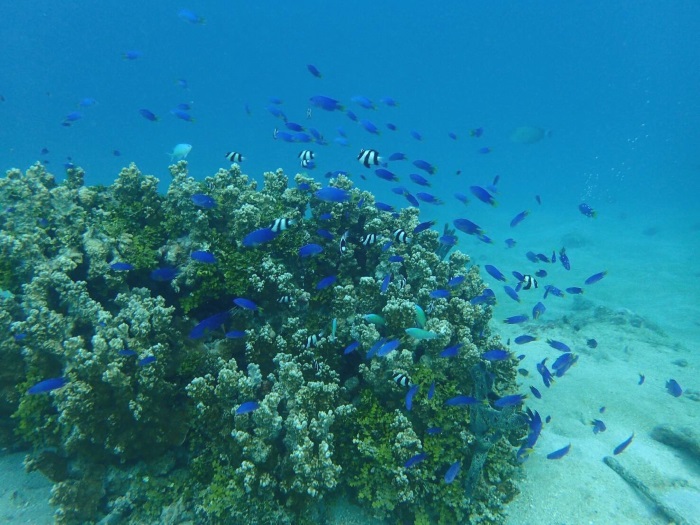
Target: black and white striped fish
(281, 225)
(234, 156)
(529, 282)
(369, 239)
(402, 379)
(401, 236)
(306, 154)
(344, 243)
(369, 157)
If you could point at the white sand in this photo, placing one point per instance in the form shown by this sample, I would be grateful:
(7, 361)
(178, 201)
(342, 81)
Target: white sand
(24, 498)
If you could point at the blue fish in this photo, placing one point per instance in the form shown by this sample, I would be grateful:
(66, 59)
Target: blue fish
(386, 174)
(369, 126)
(246, 304)
(121, 266)
(147, 360)
(497, 354)
(641, 379)
(425, 166)
(451, 351)
(203, 201)
(396, 258)
(622, 446)
(389, 101)
(409, 397)
(598, 426)
(452, 472)
(325, 234)
(547, 377)
(494, 272)
(558, 345)
(535, 392)
(247, 407)
(564, 362)
(558, 454)
(351, 347)
(433, 431)
(456, 281)
(310, 250)
(235, 334)
(381, 206)
(564, 259)
(448, 240)
(461, 197)
(189, 16)
(132, 54)
(419, 179)
(674, 388)
(397, 156)
(574, 290)
(351, 115)
(391, 126)
(126, 352)
(591, 343)
(388, 347)
(313, 70)
(483, 195)
(440, 294)
(487, 296)
(385, 283)
(415, 460)
(363, 101)
(210, 323)
(326, 282)
(332, 194)
(586, 210)
(326, 103)
(47, 385)
(423, 226)
(258, 237)
(148, 114)
(164, 274)
(596, 277)
(203, 257)
(375, 348)
(551, 289)
(509, 401)
(412, 200)
(431, 390)
(519, 218)
(510, 243)
(511, 293)
(467, 226)
(538, 310)
(182, 115)
(461, 400)
(429, 198)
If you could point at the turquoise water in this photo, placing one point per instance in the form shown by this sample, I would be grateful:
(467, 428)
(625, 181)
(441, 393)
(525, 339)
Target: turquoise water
(607, 90)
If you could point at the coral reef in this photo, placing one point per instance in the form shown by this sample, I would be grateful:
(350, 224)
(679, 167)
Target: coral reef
(169, 398)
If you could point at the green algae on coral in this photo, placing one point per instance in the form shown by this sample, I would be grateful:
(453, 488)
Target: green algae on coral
(327, 424)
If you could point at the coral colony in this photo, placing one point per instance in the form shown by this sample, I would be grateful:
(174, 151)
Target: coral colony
(238, 355)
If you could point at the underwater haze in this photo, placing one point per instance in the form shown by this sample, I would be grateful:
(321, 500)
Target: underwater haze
(360, 262)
